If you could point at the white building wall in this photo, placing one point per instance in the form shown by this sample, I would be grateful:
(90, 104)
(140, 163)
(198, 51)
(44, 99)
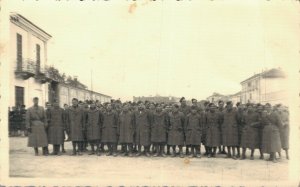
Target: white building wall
(32, 88)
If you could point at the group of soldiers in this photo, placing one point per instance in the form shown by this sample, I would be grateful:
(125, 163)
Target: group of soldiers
(159, 129)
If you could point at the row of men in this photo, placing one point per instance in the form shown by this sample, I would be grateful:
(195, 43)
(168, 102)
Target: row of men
(249, 127)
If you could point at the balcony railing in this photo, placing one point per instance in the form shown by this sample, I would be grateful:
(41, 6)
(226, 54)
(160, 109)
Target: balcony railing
(25, 69)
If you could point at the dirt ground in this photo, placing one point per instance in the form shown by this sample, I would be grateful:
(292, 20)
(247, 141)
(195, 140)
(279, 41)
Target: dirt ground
(23, 163)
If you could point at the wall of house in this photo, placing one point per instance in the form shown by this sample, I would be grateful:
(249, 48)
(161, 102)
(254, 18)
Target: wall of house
(32, 88)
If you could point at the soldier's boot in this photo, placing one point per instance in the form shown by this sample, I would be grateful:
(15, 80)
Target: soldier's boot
(223, 150)
(181, 152)
(173, 151)
(252, 154)
(233, 153)
(162, 151)
(272, 157)
(287, 154)
(238, 152)
(192, 152)
(110, 151)
(243, 154)
(63, 148)
(139, 151)
(74, 148)
(58, 153)
(130, 147)
(157, 150)
(45, 152)
(98, 151)
(229, 152)
(124, 150)
(114, 147)
(80, 148)
(36, 151)
(198, 152)
(206, 150)
(261, 154)
(147, 150)
(168, 149)
(187, 150)
(93, 150)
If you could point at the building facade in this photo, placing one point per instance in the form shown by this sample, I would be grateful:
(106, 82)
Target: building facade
(67, 92)
(28, 58)
(266, 87)
(157, 99)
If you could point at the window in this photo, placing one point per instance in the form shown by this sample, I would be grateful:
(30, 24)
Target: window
(249, 84)
(250, 96)
(38, 57)
(19, 51)
(19, 93)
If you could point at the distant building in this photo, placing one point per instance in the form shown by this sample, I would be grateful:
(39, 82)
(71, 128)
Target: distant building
(67, 92)
(157, 99)
(28, 58)
(266, 87)
(215, 97)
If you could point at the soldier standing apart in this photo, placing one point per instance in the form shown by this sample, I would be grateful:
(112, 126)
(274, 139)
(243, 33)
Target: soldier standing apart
(193, 132)
(93, 128)
(230, 129)
(75, 125)
(56, 128)
(36, 123)
(159, 131)
(127, 129)
(176, 122)
(271, 136)
(143, 125)
(213, 130)
(110, 130)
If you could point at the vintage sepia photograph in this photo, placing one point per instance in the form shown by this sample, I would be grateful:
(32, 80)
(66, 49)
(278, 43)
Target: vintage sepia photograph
(149, 93)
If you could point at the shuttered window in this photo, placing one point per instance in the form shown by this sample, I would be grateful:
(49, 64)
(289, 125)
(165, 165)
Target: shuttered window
(19, 51)
(19, 93)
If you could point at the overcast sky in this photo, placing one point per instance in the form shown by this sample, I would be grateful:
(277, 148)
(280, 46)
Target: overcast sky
(189, 48)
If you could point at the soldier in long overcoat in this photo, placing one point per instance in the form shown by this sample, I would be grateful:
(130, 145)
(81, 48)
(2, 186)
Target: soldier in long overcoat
(213, 138)
(240, 122)
(93, 128)
(127, 129)
(230, 129)
(143, 129)
(250, 136)
(221, 110)
(36, 123)
(159, 130)
(204, 127)
(193, 131)
(176, 124)
(75, 125)
(271, 135)
(56, 128)
(185, 109)
(110, 129)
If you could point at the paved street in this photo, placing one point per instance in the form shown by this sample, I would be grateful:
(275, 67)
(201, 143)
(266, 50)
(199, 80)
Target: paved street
(23, 163)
